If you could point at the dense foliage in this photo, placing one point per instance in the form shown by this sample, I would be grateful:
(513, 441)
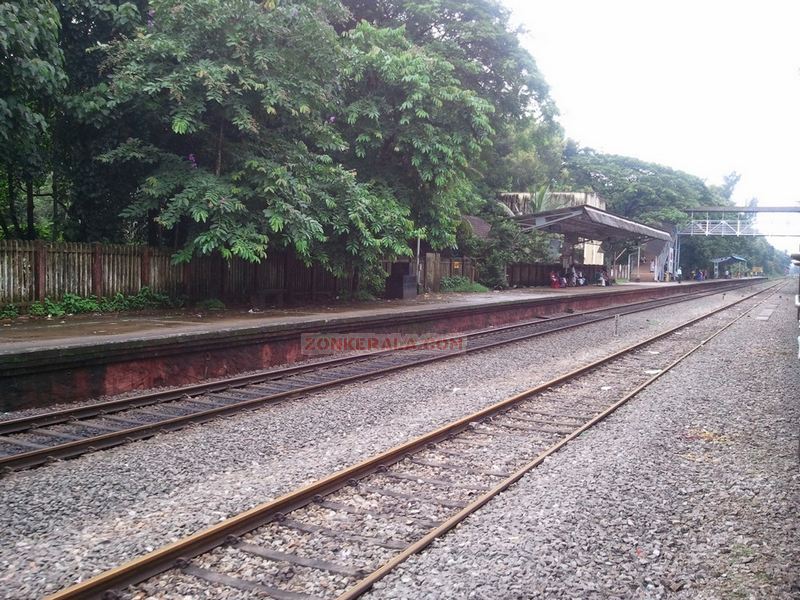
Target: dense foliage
(658, 195)
(505, 244)
(647, 192)
(339, 130)
(31, 78)
(241, 158)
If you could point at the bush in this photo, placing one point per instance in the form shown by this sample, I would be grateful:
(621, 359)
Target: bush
(73, 304)
(37, 309)
(210, 304)
(54, 308)
(9, 312)
(459, 283)
(114, 303)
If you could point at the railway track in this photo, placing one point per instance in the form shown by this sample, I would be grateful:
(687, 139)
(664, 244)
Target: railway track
(338, 536)
(39, 439)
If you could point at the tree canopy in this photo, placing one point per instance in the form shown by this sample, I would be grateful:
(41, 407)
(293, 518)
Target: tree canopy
(31, 77)
(648, 192)
(659, 196)
(339, 130)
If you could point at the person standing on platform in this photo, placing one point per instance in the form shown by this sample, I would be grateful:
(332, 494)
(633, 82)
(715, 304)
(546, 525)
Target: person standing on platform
(679, 275)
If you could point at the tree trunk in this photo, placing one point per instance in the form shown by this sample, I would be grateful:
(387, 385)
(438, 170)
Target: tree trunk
(54, 229)
(12, 203)
(31, 228)
(153, 236)
(4, 226)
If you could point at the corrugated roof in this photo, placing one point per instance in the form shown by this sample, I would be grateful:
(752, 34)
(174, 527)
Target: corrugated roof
(731, 258)
(479, 227)
(591, 223)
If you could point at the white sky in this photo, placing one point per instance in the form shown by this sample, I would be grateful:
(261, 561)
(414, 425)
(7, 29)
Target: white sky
(704, 86)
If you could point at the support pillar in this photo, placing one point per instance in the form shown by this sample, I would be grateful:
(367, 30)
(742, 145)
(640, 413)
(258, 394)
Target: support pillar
(568, 251)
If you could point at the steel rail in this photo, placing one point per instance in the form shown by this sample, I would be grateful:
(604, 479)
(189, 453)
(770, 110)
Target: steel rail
(178, 553)
(367, 582)
(71, 449)
(67, 415)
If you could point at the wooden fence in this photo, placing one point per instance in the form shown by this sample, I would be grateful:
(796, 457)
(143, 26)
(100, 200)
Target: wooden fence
(31, 271)
(435, 267)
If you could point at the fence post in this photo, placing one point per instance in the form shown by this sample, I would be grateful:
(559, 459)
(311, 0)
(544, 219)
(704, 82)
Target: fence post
(40, 270)
(188, 280)
(223, 279)
(145, 270)
(97, 270)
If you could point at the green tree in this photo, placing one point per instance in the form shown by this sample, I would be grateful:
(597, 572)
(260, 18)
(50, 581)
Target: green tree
(505, 244)
(242, 161)
(412, 127)
(697, 252)
(522, 149)
(725, 191)
(648, 192)
(31, 77)
(659, 195)
(476, 38)
(88, 195)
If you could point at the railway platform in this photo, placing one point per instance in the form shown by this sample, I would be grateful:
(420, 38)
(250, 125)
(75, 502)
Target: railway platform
(45, 362)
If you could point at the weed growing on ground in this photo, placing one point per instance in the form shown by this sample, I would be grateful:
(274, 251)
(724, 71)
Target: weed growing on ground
(72, 304)
(459, 283)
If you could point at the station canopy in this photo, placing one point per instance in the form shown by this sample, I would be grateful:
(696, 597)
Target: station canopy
(590, 223)
(724, 259)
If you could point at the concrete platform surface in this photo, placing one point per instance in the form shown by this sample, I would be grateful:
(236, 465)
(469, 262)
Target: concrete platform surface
(75, 359)
(76, 331)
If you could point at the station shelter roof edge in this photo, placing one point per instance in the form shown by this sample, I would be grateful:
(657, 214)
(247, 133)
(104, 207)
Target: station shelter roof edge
(590, 223)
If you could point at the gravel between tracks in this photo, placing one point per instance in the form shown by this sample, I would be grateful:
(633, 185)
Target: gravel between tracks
(76, 518)
(690, 491)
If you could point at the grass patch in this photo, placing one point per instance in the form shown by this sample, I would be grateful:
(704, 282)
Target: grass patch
(459, 283)
(72, 304)
(210, 304)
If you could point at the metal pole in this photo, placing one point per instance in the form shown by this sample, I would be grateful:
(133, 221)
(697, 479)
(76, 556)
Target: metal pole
(638, 263)
(418, 263)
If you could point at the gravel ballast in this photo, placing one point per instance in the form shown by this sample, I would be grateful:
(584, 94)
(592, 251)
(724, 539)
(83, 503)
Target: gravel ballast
(76, 518)
(691, 490)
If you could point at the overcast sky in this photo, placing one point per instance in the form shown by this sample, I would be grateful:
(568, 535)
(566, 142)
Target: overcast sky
(704, 86)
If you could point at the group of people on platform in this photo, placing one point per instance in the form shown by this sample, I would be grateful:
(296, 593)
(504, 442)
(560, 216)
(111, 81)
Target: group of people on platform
(573, 277)
(695, 275)
(699, 274)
